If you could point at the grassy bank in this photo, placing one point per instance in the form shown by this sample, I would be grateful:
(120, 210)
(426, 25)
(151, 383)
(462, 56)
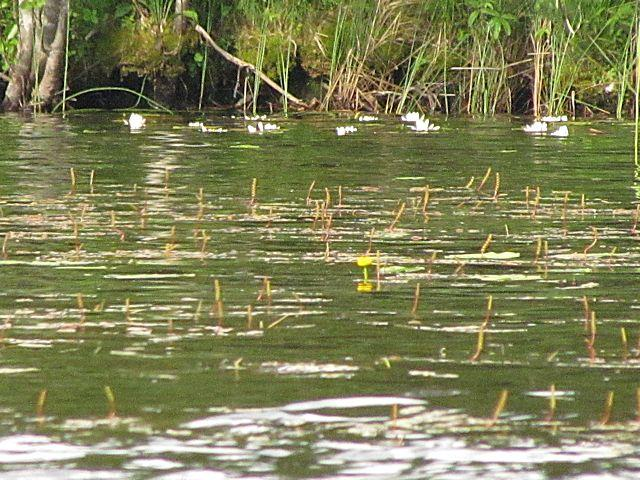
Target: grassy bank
(470, 57)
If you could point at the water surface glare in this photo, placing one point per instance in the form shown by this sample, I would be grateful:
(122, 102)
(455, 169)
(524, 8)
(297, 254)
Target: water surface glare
(191, 307)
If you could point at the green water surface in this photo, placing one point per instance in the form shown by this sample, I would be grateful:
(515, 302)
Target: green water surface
(112, 285)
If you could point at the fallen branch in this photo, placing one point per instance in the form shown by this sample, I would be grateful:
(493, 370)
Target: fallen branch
(242, 64)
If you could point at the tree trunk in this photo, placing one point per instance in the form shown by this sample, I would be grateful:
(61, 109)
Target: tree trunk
(36, 77)
(51, 83)
(19, 88)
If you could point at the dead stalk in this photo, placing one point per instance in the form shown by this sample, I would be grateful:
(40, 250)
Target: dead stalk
(80, 303)
(5, 245)
(496, 188)
(308, 200)
(378, 275)
(249, 317)
(593, 242)
(218, 307)
(111, 402)
(392, 227)
(486, 244)
(72, 173)
(416, 299)
(502, 402)
(42, 398)
(608, 408)
(552, 404)
(425, 201)
(432, 260)
(254, 187)
(484, 179)
(470, 182)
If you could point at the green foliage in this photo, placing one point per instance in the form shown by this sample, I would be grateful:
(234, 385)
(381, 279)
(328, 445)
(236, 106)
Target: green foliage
(8, 35)
(487, 16)
(147, 42)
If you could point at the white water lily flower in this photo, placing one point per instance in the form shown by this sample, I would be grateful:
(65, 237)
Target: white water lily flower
(411, 117)
(341, 131)
(536, 127)
(424, 125)
(136, 121)
(552, 119)
(561, 132)
(262, 127)
(196, 124)
(367, 118)
(206, 129)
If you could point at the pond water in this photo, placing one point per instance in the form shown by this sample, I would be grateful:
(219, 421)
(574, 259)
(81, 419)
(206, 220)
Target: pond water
(192, 306)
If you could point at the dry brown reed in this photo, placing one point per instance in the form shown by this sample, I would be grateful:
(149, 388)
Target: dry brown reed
(40, 402)
(111, 402)
(485, 245)
(608, 409)
(484, 180)
(396, 219)
(499, 408)
(416, 299)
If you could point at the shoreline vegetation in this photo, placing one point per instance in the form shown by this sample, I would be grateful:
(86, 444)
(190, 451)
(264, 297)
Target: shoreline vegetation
(470, 57)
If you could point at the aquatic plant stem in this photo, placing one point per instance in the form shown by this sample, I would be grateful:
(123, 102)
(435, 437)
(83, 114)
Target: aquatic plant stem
(111, 402)
(484, 180)
(552, 403)
(416, 300)
(392, 227)
(72, 174)
(42, 398)
(5, 243)
(502, 402)
(608, 408)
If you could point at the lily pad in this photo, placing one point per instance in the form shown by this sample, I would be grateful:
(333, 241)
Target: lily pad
(485, 256)
(587, 256)
(246, 147)
(513, 277)
(398, 269)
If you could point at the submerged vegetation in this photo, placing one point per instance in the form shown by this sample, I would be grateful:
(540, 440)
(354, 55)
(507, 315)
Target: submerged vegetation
(472, 56)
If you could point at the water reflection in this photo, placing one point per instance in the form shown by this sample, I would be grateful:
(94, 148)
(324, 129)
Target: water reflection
(228, 319)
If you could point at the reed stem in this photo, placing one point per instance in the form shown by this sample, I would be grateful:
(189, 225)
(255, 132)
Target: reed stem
(502, 402)
(392, 227)
(484, 180)
(111, 402)
(552, 403)
(416, 299)
(42, 399)
(608, 408)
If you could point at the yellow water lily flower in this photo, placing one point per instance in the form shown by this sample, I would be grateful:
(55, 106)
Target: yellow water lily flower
(364, 261)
